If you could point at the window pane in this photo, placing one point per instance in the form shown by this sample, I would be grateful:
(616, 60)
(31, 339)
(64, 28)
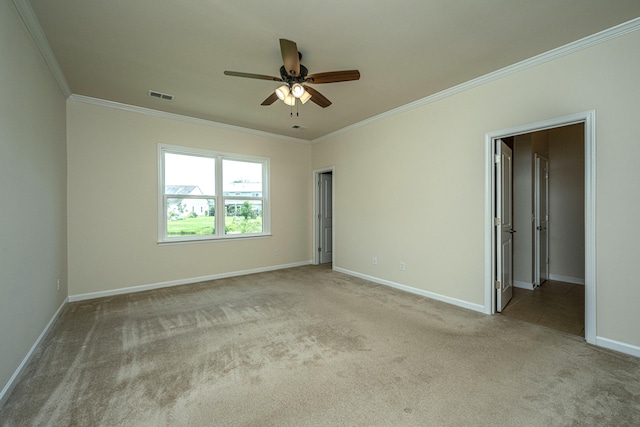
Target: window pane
(242, 179)
(243, 216)
(190, 217)
(189, 175)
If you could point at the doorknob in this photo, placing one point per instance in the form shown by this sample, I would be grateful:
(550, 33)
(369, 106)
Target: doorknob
(512, 231)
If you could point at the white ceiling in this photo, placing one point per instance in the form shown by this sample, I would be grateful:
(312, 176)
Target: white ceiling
(118, 50)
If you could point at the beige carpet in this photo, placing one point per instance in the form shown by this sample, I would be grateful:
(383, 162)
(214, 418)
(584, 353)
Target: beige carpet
(309, 346)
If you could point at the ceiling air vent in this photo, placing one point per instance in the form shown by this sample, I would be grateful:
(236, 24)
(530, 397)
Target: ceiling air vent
(298, 127)
(160, 95)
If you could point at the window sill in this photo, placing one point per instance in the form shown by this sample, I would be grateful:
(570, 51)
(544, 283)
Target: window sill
(214, 240)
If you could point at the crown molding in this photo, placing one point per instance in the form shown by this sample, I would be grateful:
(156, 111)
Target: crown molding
(568, 49)
(179, 117)
(34, 28)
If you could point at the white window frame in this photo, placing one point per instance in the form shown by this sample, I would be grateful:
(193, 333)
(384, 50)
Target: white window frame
(219, 196)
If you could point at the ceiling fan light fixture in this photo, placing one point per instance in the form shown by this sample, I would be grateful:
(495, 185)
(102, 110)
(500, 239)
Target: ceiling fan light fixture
(293, 77)
(282, 92)
(297, 90)
(290, 100)
(305, 97)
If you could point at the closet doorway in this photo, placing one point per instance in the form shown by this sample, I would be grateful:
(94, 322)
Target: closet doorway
(553, 252)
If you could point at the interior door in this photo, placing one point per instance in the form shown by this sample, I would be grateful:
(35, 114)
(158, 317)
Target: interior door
(326, 217)
(504, 225)
(542, 220)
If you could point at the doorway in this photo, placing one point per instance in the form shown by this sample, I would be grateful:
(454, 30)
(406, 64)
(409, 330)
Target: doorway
(323, 216)
(493, 215)
(549, 297)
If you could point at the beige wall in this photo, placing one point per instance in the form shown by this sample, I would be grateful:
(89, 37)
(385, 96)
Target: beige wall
(566, 202)
(410, 187)
(113, 201)
(32, 193)
(539, 145)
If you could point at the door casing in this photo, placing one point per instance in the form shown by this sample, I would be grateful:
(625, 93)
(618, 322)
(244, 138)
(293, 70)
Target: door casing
(588, 118)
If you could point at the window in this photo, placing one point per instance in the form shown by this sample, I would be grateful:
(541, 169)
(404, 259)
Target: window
(206, 195)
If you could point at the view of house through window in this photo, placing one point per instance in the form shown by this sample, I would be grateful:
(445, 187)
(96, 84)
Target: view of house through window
(207, 195)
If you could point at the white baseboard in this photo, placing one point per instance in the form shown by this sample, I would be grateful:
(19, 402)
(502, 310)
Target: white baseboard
(600, 341)
(141, 288)
(618, 346)
(523, 285)
(8, 388)
(567, 279)
(421, 292)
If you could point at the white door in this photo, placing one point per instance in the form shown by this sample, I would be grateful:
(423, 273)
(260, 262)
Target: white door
(504, 225)
(542, 220)
(326, 218)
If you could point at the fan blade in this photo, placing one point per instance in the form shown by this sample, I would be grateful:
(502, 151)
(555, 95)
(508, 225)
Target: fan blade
(290, 57)
(334, 77)
(270, 100)
(318, 98)
(252, 76)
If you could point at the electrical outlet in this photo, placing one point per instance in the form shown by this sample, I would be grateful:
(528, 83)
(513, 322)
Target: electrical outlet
(402, 266)
(276, 252)
(375, 260)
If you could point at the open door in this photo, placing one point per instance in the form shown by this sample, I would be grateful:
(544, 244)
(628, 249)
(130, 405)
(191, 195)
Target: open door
(493, 209)
(326, 217)
(504, 224)
(541, 270)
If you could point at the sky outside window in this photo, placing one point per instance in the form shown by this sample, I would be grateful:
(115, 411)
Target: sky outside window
(191, 170)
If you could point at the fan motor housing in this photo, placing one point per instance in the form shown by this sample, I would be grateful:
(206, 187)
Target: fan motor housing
(294, 79)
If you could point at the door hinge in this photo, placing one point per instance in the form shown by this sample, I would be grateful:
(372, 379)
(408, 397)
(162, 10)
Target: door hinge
(496, 221)
(319, 249)
(496, 158)
(497, 284)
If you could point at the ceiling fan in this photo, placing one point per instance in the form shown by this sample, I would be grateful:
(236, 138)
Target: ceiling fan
(296, 76)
